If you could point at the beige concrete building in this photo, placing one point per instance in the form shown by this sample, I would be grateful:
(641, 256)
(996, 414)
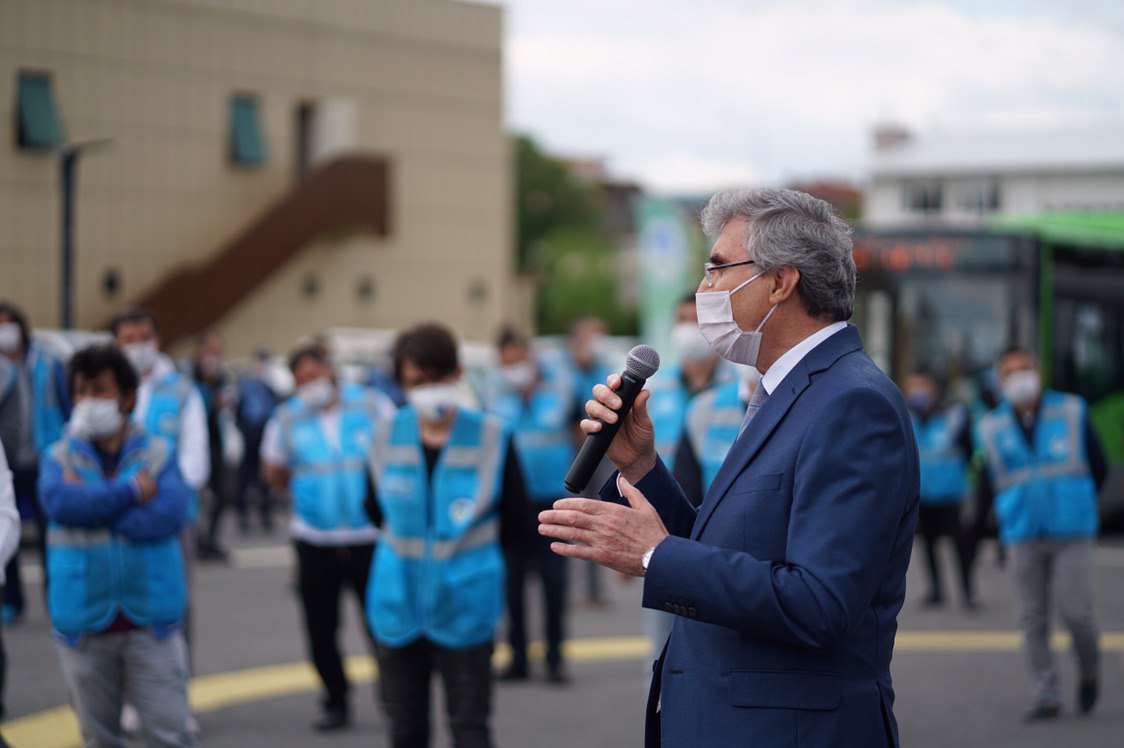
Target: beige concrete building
(216, 200)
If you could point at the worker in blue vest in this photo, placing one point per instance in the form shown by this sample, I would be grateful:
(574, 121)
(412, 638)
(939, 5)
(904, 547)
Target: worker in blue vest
(944, 441)
(34, 405)
(1045, 466)
(713, 421)
(697, 369)
(257, 400)
(168, 406)
(116, 503)
(450, 499)
(587, 359)
(316, 445)
(9, 544)
(534, 400)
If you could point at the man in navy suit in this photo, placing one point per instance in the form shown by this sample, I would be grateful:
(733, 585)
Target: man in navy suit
(786, 582)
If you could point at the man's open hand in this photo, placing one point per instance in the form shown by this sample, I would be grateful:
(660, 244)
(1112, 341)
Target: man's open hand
(609, 534)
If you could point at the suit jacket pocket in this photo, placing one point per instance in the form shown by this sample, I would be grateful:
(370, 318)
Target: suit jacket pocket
(785, 690)
(763, 482)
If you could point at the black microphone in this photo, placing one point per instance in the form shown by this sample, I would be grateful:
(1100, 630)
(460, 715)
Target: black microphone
(642, 363)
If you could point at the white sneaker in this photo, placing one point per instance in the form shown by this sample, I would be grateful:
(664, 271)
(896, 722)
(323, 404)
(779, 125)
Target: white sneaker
(130, 720)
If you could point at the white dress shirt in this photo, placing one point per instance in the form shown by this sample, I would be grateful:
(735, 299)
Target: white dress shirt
(794, 355)
(9, 516)
(194, 447)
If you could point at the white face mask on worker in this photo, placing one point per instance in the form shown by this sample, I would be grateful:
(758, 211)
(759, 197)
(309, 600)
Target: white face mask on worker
(96, 418)
(717, 325)
(10, 337)
(142, 355)
(1021, 388)
(318, 393)
(434, 402)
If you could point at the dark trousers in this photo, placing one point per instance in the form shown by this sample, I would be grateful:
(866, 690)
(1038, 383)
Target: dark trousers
(249, 480)
(25, 482)
(324, 572)
(404, 674)
(3, 667)
(535, 555)
(220, 501)
(935, 522)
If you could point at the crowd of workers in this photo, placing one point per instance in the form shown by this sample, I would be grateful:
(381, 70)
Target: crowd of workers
(417, 489)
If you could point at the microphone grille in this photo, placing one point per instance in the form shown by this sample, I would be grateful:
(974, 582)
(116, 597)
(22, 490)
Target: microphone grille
(643, 361)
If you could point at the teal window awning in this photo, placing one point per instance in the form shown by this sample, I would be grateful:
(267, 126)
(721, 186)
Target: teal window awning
(247, 146)
(39, 126)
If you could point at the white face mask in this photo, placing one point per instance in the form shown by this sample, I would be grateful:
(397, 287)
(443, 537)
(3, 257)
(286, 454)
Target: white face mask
(434, 402)
(142, 355)
(318, 393)
(96, 418)
(520, 376)
(689, 343)
(1022, 388)
(10, 337)
(717, 325)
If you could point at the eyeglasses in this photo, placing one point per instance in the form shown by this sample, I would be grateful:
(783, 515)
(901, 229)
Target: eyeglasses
(711, 271)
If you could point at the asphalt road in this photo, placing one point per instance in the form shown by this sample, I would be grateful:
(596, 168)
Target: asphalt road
(959, 676)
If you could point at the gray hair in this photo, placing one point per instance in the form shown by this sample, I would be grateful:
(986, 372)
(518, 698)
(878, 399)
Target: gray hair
(792, 229)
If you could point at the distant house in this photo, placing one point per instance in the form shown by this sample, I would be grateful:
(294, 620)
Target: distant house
(963, 179)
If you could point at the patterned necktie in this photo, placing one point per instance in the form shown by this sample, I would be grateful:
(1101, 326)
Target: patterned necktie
(756, 400)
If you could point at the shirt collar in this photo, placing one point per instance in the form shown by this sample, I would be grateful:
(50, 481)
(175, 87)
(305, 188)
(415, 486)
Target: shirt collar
(160, 369)
(794, 355)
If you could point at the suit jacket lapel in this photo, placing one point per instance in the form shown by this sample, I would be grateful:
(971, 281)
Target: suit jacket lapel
(749, 443)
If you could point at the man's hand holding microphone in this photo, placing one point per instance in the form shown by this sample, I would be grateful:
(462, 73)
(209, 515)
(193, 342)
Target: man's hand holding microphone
(607, 533)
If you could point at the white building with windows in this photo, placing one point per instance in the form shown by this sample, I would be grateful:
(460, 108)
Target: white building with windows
(961, 179)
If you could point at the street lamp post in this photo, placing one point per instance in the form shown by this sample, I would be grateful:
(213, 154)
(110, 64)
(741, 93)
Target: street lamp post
(69, 155)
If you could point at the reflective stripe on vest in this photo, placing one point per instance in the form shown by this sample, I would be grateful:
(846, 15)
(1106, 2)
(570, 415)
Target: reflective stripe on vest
(438, 570)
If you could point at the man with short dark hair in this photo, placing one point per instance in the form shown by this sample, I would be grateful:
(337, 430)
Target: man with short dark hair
(116, 503)
(1045, 465)
(786, 582)
(316, 445)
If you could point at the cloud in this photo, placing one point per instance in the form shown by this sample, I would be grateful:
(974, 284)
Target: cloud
(687, 92)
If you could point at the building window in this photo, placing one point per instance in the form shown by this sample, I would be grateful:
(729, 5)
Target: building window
(921, 197)
(979, 196)
(247, 147)
(38, 125)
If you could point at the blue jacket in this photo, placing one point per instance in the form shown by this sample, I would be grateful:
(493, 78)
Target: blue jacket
(438, 571)
(787, 581)
(944, 464)
(256, 402)
(50, 400)
(542, 430)
(329, 481)
(106, 552)
(1044, 490)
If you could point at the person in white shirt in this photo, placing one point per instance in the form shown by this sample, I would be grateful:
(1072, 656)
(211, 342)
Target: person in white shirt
(9, 542)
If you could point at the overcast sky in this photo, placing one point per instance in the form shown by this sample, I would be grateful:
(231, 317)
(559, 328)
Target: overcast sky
(690, 95)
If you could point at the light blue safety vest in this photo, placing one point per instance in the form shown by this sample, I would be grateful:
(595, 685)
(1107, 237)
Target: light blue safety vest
(47, 407)
(714, 419)
(944, 465)
(668, 409)
(438, 571)
(96, 573)
(329, 481)
(542, 429)
(1044, 490)
(164, 418)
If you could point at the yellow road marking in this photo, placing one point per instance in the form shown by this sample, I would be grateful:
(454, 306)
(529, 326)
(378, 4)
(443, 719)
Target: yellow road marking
(58, 728)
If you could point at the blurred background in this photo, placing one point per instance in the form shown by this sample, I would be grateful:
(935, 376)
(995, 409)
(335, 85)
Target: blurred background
(274, 170)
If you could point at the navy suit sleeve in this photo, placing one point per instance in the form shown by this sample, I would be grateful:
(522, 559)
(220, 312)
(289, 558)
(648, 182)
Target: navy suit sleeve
(661, 490)
(164, 515)
(80, 504)
(855, 480)
(688, 471)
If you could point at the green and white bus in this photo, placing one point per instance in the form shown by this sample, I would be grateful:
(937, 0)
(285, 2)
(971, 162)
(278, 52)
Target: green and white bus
(950, 300)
